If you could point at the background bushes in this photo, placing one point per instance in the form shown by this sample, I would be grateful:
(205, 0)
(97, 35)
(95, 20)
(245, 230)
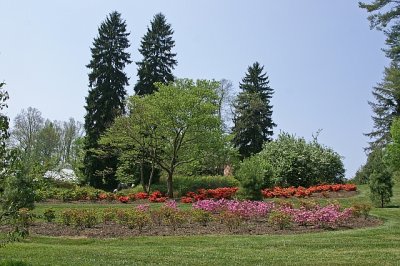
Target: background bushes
(296, 162)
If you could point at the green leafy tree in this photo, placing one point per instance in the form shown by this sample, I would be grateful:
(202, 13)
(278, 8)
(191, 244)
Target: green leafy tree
(386, 107)
(16, 189)
(381, 185)
(158, 59)
(253, 112)
(172, 127)
(296, 162)
(107, 93)
(374, 159)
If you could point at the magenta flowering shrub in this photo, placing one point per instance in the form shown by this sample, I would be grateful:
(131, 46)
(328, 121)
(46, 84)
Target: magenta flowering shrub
(143, 207)
(245, 209)
(327, 216)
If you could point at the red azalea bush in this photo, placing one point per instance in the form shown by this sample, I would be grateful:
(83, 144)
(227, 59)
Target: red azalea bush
(141, 195)
(305, 192)
(157, 196)
(102, 196)
(123, 199)
(202, 194)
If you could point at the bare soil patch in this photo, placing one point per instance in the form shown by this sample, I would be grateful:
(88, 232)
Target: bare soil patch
(257, 227)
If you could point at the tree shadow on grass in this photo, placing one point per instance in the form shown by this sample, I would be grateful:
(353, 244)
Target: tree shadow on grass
(392, 206)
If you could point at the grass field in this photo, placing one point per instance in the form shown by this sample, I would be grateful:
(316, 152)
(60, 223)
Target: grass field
(369, 246)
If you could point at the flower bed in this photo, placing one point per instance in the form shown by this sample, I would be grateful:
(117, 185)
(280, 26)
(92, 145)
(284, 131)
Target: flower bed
(205, 217)
(277, 192)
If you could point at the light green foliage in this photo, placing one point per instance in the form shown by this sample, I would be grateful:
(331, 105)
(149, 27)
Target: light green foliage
(254, 174)
(381, 185)
(296, 162)
(392, 152)
(374, 161)
(18, 193)
(174, 126)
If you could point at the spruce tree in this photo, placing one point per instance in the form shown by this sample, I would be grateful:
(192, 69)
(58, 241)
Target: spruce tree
(253, 123)
(107, 93)
(158, 59)
(386, 106)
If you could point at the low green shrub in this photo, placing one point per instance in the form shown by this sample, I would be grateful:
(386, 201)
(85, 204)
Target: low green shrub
(137, 219)
(254, 175)
(79, 217)
(361, 210)
(201, 216)
(49, 215)
(231, 220)
(280, 219)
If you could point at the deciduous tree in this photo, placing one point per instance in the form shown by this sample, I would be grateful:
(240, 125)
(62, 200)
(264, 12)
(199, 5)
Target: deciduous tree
(174, 126)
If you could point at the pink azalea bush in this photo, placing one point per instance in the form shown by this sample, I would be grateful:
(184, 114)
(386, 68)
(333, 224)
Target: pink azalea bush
(327, 216)
(322, 216)
(245, 209)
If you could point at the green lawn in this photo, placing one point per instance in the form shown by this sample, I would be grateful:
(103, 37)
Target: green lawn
(371, 246)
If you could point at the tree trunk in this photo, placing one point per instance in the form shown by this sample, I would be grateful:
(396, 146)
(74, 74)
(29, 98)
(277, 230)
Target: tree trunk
(142, 177)
(170, 189)
(150, 178)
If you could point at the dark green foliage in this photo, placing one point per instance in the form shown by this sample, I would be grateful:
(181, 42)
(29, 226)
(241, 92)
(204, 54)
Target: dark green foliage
(253, 112)
(107, 93)
(385, 16)
(386, 106)
(158, 60)
(296, 162)
(254, 174)
(129, 171)
(381, 185)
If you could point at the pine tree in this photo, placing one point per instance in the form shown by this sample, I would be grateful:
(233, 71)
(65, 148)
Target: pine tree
(253, 112)
(158, 59)
(386, 106)
(107, 93)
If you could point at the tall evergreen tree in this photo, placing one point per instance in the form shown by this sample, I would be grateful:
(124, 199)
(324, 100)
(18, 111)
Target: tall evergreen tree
(107, 93)
(385, 15)
(386, 106)
(158, 59)
(253, 123)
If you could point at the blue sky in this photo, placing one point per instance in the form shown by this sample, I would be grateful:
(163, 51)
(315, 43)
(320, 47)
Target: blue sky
(321, 57)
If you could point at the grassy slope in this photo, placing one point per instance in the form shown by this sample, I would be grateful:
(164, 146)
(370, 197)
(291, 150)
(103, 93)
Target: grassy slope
(372, 246)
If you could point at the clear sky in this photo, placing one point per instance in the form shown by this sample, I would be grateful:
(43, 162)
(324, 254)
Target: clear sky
(320, 55)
